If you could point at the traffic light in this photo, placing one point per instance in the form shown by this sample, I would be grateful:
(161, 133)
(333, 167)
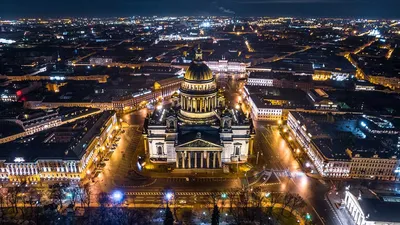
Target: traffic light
(308, 217)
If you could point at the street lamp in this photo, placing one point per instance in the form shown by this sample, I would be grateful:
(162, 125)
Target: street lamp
(117, 196)
(168, 196)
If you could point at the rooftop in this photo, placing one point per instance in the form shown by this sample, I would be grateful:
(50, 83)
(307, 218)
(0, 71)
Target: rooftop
(68, 141)
(334, 134)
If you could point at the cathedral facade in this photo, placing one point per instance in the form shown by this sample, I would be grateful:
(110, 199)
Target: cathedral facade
(197, 131)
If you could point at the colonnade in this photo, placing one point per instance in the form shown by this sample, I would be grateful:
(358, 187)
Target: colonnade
(200, 104)
(198, 159)
(354, 210)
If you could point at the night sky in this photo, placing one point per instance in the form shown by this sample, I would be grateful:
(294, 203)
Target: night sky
(103, 8)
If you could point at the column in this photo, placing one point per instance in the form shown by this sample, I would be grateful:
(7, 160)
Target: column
(177, 160)
(208, 160)
(219, 160)
(214, 156)
(183, 160)
(189, 160)
(201, 159)
(195, 159)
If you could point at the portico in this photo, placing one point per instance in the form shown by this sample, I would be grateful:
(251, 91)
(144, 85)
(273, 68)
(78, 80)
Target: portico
(195, 159)
(198, 154)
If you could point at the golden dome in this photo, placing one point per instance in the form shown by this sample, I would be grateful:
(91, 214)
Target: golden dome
(198, 71)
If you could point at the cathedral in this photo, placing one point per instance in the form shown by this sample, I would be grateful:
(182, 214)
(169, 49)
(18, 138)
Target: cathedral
(197, 130)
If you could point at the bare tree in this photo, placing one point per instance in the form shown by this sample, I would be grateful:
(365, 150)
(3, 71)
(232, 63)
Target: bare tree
(74, 194)
(258, 197)
(31, 197)
(297, 202)
(3, 202)
(103, 199)
(84, 194)
(57, 194)
(12, 197)
(274, 198)
(286, 200)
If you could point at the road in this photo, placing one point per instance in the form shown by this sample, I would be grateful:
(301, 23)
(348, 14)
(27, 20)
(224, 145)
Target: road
(274, 153)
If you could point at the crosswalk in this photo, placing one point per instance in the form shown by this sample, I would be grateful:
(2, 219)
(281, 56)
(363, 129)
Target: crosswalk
(186, 193)
(186, 179)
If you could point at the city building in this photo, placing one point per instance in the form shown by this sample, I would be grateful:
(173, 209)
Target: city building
(362, 85)
(269, 103)
(347, 145)
(280, 80)
(320, 100)
(368, 207)
(61, 154)
(224, 65)
(197, 132)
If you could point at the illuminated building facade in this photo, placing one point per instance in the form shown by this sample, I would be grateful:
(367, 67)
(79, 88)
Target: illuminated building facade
(320, 100)
(273, 104)
(371, 208)
(366, 158)
(65, 153)
(198, 132)
(227, 66)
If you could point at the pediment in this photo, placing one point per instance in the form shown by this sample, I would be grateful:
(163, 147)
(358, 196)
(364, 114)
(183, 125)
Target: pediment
(199, 143)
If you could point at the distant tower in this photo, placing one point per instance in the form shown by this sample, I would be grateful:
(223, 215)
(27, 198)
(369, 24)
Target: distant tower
(58, 56)
(199, 54)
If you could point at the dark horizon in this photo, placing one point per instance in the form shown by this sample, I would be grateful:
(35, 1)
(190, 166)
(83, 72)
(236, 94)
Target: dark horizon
(369, 9)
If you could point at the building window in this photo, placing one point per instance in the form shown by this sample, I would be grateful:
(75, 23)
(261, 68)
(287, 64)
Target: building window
(160, 148)
(237, 148)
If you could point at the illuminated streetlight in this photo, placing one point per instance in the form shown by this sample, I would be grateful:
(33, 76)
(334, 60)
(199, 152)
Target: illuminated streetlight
(117, 196)
(279, 122)
(88, 172)
(168, 196)
(159, 107)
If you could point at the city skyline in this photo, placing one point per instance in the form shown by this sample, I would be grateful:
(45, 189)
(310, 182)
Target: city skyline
(293, 8)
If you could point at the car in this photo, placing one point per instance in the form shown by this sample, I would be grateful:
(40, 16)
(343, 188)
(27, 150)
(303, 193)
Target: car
(106, 159)
(182, 202)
